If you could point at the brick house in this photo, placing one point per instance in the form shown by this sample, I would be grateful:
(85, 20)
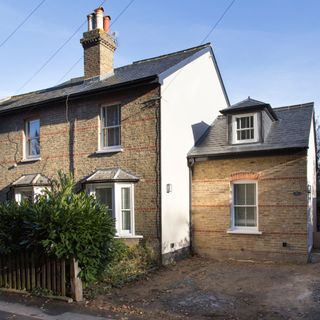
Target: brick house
(122, 132)
(254, 183)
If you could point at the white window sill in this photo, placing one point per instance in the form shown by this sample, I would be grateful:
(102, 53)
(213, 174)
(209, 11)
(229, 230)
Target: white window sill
(245, 141)
(31, 159)
(129, 236)
(110, 150)
(244, 231)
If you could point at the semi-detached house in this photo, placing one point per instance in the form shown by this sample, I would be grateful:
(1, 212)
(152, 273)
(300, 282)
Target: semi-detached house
(122, 132)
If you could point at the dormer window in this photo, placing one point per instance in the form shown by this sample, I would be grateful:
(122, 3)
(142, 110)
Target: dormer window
(245, 128)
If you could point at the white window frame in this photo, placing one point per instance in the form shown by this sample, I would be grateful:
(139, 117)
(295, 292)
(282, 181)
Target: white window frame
(28, 156)
(255, 128)
(36, 191)
(117, 210)
(241, 229)
(101, 147)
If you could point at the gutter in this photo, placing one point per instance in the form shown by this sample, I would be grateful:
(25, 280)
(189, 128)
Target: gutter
(246, 153)
(72, 96)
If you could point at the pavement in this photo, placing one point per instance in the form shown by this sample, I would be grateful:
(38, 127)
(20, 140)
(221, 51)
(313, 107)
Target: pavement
(16, 307)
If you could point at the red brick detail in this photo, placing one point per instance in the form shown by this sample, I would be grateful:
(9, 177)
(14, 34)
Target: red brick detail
(283, 178)
(282, 206)
(126, 122)
(146, 209)
(265, 233)
(244, 175)
(211, 205)
(210, 180)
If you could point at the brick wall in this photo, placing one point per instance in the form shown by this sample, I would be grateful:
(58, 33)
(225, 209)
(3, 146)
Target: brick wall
(72, 147)
(282, 215)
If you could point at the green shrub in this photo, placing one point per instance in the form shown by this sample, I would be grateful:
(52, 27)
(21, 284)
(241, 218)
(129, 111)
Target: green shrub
(62, 223)
(12, 224)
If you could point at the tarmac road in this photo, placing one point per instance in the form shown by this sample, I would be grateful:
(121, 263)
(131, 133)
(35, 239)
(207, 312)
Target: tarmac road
(13, 307)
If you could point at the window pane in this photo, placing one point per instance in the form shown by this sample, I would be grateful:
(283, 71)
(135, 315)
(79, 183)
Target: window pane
(104, 137)
(250, 194)
(126, 220)
(104, 118)
(34, 147)
(113, 138)
(112, 116)
(251, 216)
(251, 122)
(239, 217)
(125, 198)
(251, 134)
(242, 121)
(238, 123)
(104, 196)
(26, 195)
(34, 129)
(239, 194)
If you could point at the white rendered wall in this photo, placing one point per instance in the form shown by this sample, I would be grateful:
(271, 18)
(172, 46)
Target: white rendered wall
(190, 95)
(312, 181)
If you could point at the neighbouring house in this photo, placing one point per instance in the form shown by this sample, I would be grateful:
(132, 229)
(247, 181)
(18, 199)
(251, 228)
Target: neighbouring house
(122, 132)
(254, 183)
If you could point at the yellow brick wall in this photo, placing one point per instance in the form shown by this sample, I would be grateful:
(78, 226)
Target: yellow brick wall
(65, 146)
(282, 215)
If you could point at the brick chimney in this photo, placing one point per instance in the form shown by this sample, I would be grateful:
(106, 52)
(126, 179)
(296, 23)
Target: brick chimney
(98, 45)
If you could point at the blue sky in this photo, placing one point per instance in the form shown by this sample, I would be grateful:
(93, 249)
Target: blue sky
(267, 49)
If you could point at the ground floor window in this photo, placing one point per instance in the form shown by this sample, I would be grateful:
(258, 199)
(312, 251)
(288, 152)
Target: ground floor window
(119, 198)
(244, 204)
(27, 193)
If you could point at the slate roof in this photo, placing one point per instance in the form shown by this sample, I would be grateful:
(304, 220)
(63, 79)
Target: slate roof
(137, 71)
(110, 175)
(34, 179)
(249, 104)
(290, 131)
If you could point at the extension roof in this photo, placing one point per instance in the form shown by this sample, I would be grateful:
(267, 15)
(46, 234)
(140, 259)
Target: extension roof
(143, 71)
(34, 179)
(290, 131)
(110, 175)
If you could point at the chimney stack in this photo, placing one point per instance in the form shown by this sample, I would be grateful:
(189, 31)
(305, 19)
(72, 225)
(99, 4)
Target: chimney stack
(98, 45)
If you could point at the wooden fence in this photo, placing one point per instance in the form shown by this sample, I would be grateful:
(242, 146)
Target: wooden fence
(28, 271)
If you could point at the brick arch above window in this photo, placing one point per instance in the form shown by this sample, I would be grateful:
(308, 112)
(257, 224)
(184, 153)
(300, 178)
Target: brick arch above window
(244, 175)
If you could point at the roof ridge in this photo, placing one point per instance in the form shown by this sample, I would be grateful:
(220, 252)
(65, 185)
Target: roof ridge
(295, 106)
(173, 53)
(248, 99)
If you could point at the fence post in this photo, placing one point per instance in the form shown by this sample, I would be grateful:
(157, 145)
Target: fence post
(76, 283)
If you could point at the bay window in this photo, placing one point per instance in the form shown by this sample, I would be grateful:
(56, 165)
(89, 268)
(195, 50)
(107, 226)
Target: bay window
(119, 198)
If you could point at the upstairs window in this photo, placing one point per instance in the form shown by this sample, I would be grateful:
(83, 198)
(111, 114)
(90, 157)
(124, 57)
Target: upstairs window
(32, 135)
(110, 127)
(245, 128)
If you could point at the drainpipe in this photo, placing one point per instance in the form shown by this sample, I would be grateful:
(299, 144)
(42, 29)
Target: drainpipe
(191, 162)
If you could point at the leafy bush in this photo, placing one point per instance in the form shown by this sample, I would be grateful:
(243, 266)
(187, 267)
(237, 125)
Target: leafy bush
(12, 224)
(64, 224)
(129, 264)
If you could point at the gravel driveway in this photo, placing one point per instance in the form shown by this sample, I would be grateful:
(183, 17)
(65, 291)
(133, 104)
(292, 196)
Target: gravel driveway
(206, 289)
